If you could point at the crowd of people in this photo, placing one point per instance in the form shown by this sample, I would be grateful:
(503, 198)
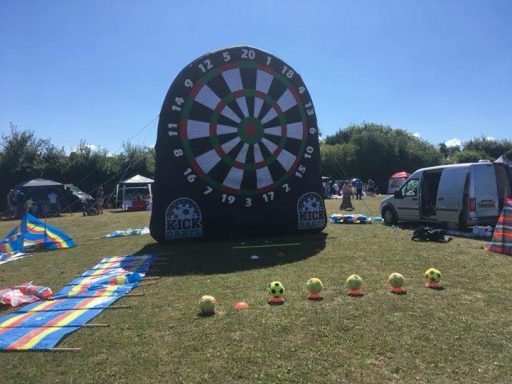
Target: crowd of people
(40, 205)
(45, 204)
(348, 190)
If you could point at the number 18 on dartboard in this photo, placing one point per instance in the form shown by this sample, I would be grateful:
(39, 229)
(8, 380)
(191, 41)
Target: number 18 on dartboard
(237, 151)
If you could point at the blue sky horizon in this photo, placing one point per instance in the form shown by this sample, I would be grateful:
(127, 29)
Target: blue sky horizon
(99, 71)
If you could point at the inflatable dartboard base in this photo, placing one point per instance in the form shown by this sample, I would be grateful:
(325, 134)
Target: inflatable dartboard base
(237, 152)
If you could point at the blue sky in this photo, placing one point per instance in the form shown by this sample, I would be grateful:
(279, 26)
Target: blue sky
(99, 70)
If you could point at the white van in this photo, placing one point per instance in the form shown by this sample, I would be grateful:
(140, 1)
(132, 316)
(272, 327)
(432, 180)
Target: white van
(460, 194)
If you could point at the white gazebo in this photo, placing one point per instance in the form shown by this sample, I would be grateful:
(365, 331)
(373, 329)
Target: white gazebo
(136, 193)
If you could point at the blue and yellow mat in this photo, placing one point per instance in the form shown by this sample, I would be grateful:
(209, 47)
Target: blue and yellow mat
(41, 325)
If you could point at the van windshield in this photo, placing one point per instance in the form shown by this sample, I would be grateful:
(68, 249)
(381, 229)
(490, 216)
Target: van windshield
(410, 188)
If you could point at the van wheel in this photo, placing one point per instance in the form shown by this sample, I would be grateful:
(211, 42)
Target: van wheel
(389, 216)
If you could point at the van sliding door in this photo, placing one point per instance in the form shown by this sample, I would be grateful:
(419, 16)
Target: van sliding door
(450, 194)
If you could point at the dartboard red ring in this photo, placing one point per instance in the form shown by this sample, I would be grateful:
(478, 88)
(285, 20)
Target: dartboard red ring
(241, 125)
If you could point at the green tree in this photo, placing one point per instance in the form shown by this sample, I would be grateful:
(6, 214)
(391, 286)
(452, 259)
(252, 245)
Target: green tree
(90, 168)
(448, 152)
(23, 157)
(137, 159)
(336, 160)
(468, 156)
(492, 149)
(377, 151)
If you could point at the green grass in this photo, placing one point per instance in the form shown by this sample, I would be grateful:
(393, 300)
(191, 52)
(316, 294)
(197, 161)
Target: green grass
(462, 334)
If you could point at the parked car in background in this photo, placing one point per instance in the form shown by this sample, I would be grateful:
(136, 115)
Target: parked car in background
(76, 198)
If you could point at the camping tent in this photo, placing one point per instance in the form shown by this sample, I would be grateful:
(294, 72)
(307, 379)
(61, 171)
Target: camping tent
(32, 231)
(40, 188)
(136, 193)
(397, 180)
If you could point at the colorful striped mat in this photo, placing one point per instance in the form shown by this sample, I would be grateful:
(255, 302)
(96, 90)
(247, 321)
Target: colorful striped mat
(8, 257)
(41, 325)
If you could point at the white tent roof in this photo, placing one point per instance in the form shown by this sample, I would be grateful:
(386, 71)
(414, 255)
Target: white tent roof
(137, 179)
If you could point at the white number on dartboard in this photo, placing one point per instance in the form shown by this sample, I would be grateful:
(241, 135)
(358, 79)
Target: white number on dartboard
(310, 111)
(178, 101)
(206, 65)
(286, 187)
(171, 127)
(226, 56)
(190, 176)
(269, 196)
(300, 171)
(287, 72)
(207, 190)
(248, 201)
(178, 152)
(309, 152)
(189, 83)
(230, 199)
(248, 54)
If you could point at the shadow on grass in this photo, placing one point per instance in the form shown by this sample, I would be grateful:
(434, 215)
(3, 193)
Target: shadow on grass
(119, 210)
(202, 257)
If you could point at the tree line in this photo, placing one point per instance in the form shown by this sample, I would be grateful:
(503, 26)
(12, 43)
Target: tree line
(377, 151)
(23, 156)
(366, 150)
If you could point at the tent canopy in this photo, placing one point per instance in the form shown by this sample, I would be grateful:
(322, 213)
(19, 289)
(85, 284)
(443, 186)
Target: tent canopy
(39, 189)
(138, 179)
(400, 175)
(134, 186)
(40, 183)
(396, 180)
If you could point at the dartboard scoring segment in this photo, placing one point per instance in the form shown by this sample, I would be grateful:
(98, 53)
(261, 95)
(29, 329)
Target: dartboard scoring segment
(253, 138)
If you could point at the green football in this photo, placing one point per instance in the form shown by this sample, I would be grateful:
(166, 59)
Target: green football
(275, 289)
(206, 304)
(354, 282)
(433, 275)
(396, 280)
(314, 285)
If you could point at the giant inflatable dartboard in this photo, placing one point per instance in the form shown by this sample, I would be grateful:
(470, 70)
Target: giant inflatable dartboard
(237, 151)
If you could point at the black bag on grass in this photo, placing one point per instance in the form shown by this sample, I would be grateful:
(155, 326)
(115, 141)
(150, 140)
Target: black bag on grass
(430, 234)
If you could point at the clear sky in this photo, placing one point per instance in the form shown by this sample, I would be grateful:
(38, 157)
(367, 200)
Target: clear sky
(99, 70)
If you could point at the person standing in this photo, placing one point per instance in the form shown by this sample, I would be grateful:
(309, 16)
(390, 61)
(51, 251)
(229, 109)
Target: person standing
(100, 197)
(30, 204)
(21, 206)
(335, 188)
(11, 203)
(346, 196)
(371, 187)
(53, 200)
(359, 189)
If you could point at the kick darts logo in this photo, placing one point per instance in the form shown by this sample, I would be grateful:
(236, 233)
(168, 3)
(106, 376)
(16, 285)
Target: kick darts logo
(183, 220)
(311, 213)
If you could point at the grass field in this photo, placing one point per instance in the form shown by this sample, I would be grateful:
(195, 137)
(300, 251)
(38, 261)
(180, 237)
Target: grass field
(460, 335)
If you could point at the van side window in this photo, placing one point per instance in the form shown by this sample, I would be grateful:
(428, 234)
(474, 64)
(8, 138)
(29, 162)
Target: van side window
(410, 188)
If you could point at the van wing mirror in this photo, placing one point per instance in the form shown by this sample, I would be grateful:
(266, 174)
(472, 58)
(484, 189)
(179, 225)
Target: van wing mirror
(397, 194)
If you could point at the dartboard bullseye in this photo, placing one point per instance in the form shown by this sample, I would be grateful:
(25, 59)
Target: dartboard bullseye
(237, 129)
